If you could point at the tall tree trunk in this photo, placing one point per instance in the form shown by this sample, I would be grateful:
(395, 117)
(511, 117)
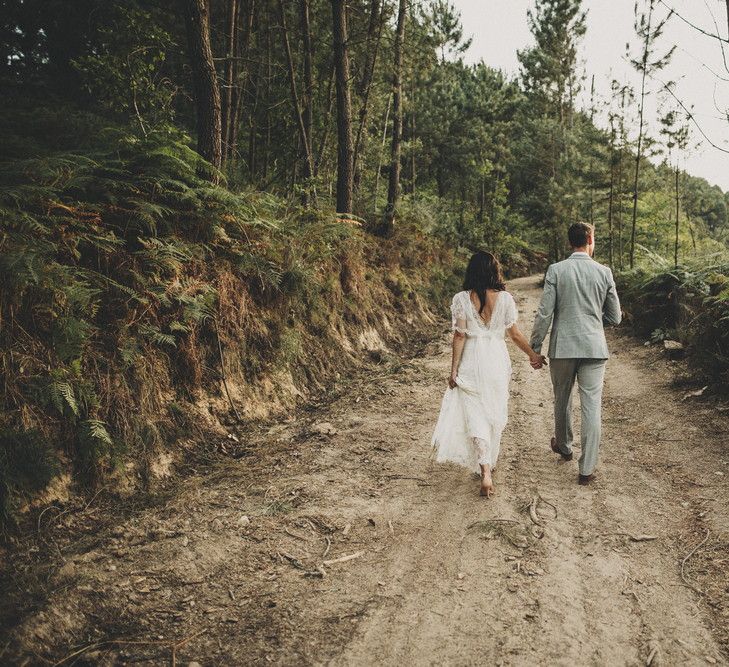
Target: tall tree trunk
(241, 84)
(646, 46)
(611, 192)
(204, 81)
(345, 163)
(592, 162)
(321, 152)
(308, 95)
(610, 213)
(675, 250)
(229, 70)
(382, 150)
(305, 138)
(267, 114)
(413, 174)
(393, 188)
(374, 35)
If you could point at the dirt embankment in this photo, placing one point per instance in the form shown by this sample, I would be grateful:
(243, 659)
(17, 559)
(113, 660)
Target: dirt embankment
(343, 544)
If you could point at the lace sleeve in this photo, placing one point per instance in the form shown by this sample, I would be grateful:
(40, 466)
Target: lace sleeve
(510, 312)
(458, 314)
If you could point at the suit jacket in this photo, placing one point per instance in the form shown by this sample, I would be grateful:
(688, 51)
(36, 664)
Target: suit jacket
(579, 298)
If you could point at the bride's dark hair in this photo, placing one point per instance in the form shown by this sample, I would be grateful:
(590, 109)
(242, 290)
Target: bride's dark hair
(483, 273)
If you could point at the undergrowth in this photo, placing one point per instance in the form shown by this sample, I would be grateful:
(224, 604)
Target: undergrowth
(689, 304)
(125, 273)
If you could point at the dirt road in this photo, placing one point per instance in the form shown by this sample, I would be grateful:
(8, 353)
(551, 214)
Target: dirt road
(352, 548)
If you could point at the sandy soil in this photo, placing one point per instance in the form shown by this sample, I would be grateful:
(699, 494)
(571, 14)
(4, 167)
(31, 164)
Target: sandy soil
(239, 566)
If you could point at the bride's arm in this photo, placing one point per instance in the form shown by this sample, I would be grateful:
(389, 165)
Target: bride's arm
(459, 340)
(536, 360)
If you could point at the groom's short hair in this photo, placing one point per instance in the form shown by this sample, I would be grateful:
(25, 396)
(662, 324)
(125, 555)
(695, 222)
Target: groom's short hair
(578, 233)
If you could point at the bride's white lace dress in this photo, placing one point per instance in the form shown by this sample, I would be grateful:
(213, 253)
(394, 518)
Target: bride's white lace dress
(473, 414)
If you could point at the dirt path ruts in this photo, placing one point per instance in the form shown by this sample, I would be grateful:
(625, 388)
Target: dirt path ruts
(439, 575)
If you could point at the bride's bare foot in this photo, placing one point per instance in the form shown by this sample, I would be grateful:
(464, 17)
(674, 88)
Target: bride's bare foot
(487, 484)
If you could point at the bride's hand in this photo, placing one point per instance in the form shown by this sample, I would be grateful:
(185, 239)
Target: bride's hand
(452, 381)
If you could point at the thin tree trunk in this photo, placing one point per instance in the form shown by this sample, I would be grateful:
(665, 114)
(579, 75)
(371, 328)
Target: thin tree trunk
(241, 86)
(592, 162)
(610, 213)
(413, 174)
(298, 116)
(253, 125)
(382, 150)
(393, 188)
(204, 80)
(308, 113)
(345, 175)
(374, 34)
(267, 114)
(675, 250)
(327, 124)
(228, 76)
(640, 135)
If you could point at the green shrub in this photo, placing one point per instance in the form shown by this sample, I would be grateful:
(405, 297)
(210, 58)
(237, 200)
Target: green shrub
(27, 465)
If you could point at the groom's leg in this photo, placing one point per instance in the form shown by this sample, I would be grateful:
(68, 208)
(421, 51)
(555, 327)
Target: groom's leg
(563, 372)
(590, 375)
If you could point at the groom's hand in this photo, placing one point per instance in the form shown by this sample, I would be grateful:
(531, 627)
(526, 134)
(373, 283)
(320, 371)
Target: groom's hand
(538, 361)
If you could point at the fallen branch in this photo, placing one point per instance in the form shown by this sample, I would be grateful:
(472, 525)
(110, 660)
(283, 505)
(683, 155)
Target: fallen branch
(128, 642)
(546, 502)
(533, 511)
(344, 559)
(685, 560)
(180, 644)
(298, 537)
(487, 521)
(293, 560)
(633, 538)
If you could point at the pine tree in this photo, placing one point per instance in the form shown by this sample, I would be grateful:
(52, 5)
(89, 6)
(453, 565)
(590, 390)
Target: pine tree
(649, 31)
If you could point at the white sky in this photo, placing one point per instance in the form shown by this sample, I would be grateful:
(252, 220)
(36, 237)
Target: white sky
(499, 28)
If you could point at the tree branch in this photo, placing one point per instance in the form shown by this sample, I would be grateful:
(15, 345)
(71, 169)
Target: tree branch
(693, 25)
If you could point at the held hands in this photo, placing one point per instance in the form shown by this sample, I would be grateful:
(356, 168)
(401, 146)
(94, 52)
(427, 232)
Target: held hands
(537, 361)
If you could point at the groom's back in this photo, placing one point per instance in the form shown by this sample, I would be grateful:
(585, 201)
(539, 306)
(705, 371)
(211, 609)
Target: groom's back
(581, 288)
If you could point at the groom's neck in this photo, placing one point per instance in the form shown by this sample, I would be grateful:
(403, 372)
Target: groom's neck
(584, 249)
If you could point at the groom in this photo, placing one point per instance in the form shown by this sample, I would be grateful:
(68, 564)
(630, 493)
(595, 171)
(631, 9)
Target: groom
(579, 297)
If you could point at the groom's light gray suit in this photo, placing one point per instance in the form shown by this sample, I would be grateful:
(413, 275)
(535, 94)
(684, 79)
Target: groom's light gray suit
(579, 297)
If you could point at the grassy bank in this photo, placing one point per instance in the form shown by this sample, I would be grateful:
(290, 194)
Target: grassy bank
(689, 304)
(144, 308)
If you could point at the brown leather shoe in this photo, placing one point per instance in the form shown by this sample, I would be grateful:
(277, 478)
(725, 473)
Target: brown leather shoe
(584, 480)
(555, 449)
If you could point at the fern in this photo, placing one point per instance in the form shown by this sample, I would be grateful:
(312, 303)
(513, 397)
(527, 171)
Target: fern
(157, 336)
(62, 396)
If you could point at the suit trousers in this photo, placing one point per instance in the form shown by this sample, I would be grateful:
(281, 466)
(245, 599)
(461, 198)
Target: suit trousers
(589, 374)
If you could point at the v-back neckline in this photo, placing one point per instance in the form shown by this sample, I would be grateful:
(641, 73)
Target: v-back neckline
(493, 309)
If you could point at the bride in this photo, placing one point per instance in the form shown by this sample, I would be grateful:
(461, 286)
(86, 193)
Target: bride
(474, 409)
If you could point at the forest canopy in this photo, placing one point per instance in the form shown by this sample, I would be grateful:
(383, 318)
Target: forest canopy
(369, 106)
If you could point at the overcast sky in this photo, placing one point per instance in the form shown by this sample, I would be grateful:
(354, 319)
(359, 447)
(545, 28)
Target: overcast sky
(499, 28)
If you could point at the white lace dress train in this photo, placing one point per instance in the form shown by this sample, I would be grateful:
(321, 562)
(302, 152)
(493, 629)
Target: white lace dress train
(473, 414)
